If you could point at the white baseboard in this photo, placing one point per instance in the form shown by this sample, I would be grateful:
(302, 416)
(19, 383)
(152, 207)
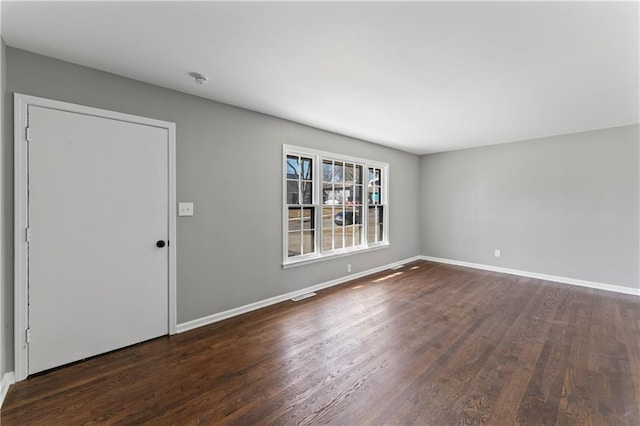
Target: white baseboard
(7, 380)
(200, 322)
(555, 278)
(190, 325)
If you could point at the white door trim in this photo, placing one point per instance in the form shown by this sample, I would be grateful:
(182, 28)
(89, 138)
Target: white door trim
(21, 104)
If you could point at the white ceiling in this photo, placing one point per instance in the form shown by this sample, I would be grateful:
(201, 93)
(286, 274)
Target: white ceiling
(421, 77)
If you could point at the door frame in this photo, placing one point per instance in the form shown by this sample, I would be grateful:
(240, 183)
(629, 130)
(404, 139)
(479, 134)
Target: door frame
(21, 309)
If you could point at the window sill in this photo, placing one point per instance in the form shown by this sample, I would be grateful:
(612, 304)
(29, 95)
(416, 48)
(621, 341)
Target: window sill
(320, 258)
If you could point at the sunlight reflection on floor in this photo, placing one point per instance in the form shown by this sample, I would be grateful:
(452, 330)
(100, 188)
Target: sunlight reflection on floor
(386, 277)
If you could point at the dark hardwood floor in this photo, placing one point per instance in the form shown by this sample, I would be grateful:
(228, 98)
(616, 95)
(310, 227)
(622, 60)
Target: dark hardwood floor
(427, 344)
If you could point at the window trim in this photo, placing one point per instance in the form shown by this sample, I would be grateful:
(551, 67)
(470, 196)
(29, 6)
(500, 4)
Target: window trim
(317, 157)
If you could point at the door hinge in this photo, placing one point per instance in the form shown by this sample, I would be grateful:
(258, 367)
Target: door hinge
(27, 134)
(28, 335)
(28, 234)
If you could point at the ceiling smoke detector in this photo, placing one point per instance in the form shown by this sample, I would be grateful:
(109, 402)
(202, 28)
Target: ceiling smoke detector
(199, 78)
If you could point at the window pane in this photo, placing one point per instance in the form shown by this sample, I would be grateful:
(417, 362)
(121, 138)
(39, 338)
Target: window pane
(348, 195)
(357, 194)
(294, 244)
(337, 238)
(327, 238)
(338, 216)
(328, 220)
(373, 221)
(375, 225)
(348, 236)
(327, 171)
(292, 192)
(371, 226)
(373, 186)
(357, 233)
(358, 176)
(357, 215)
(374, 195)
(326, 193)
(293, 167)
(308, 242)
(295, 223)
(349, 216)
(348, 173)
(307, 168)
(341, 195)
(307, 192)
(327, 216)
(307, 218)
(338, 172)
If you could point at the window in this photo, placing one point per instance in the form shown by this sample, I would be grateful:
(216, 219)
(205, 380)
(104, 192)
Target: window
(375, 224)
(333, 205)
(300, 208)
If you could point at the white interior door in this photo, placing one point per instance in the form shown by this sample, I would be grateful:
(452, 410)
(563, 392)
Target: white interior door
(98, 204)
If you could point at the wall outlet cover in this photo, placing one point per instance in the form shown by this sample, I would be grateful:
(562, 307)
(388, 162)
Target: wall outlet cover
(185, 209)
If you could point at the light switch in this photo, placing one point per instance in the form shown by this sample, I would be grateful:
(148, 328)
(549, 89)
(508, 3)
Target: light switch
(185, 209)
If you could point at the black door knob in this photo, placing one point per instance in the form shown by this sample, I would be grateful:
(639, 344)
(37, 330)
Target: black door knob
(160, 243)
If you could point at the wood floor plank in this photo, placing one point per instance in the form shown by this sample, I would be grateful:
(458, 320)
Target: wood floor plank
(427, 344)
(481, 395)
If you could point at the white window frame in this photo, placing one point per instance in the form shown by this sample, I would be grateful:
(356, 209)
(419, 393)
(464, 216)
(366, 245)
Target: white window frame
(317, 157)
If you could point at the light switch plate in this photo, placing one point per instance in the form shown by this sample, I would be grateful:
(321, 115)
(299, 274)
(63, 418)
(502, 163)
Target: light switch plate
(185, 209)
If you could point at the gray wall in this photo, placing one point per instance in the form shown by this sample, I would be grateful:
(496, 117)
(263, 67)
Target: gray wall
(565, 205)
(229, 165)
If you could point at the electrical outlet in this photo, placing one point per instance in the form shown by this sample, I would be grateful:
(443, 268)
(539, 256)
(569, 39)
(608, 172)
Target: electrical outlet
(348, 267)
(496, 252)
(185, 209)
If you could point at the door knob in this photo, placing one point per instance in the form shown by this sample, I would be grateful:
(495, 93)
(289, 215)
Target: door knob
(160, 243)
